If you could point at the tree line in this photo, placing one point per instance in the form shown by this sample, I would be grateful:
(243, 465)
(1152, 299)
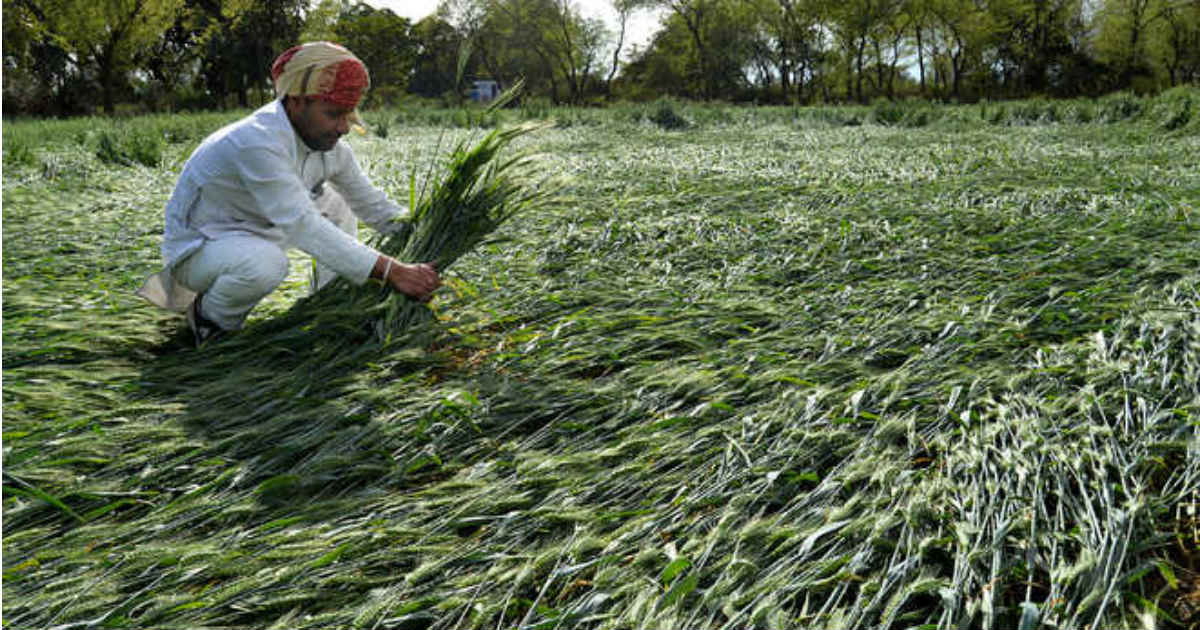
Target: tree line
(65, 57)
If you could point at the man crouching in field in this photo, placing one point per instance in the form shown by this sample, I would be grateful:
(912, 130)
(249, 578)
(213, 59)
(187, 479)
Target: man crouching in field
(257, 187)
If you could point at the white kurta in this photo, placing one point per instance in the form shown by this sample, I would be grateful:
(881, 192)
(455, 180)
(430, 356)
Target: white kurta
(257, 177)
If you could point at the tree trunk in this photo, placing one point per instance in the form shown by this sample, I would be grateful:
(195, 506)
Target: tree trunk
(880, 70)
(956, 67)
(574, 84)
(623, 18)
(108, 98)
(804, 77)
(849, 74)
(693, 20)
(858, 69)
(892, 71)
(921, 61)
(785, 74)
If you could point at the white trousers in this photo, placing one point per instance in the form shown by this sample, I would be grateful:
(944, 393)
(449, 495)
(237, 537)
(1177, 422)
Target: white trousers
(236, 272)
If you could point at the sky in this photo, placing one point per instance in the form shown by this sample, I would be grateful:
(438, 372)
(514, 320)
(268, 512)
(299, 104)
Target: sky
(639, 30)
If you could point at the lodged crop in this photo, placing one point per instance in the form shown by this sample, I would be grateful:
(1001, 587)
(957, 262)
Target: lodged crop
(782, 368)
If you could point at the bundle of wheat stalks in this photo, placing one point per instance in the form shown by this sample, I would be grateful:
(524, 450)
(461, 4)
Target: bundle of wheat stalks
(472, 197)
(464, 203)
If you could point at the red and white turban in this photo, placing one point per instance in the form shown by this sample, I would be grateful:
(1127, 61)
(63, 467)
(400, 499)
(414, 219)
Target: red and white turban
(323, 70)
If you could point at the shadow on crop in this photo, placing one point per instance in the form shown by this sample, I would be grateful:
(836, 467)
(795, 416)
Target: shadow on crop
(307, 416)
(284, 402)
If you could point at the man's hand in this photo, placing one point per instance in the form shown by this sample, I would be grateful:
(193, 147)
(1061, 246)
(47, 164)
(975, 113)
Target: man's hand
(416, 281)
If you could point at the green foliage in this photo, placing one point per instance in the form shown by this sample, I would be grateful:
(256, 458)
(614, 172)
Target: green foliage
(1170, 111)
(535, 109)
(1078, 111)
(908, 113)
(474, 117)
(664, 113)
(127, 147)
(424, 114)
(1175, 109)
(829, 116)
(1119, 107)
(383, 41)
(17, 153)
(380, 124)
(171, 54)
(1032, 112)
(887, 112)
(103, 37)
(791, 368)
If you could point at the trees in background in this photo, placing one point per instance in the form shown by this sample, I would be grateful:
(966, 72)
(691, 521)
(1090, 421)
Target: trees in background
(60, 54)
(1142, 39)
(549, 43)
(386, 44)
(1180, 40)
(435, 69)
(858, 50)
(235, 66)
(36, 67)
(70, 56)
(100, 38)
(625, 10)
(1036, 39)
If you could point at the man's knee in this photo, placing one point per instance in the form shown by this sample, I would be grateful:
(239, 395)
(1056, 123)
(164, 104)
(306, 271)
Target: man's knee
(263, 269)
(234, 275)
(250, 267)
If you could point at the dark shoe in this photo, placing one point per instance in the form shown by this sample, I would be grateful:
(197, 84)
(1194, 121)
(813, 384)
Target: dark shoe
(203, 329)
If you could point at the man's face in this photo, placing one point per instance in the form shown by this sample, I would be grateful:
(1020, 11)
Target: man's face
(319, 123)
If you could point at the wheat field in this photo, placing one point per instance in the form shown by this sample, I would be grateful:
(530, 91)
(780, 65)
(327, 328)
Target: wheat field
(896, 366)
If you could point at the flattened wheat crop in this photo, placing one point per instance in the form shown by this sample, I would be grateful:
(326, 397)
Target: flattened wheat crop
(757, 370)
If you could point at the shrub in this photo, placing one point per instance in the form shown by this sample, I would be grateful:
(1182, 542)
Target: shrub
(128, 147)
(381, 125)
(713, 115)
(919, 116)
(145, 148)
(828, 116)
(1120, 107)
(1078, 111)
(385, 96)
(1030, 112)
(191, 99)
(994, 114)
(1178, 116)
(665, 116)
(885, 112)
(1173, 108)
(108, 149)
(17, 153)
(565, 117)
(470, 117)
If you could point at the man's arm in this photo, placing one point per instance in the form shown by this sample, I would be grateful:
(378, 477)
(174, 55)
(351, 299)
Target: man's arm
(281, 200)
(366, 201)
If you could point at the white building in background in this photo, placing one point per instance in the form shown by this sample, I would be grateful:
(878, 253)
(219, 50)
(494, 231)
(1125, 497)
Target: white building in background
(484, 90)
